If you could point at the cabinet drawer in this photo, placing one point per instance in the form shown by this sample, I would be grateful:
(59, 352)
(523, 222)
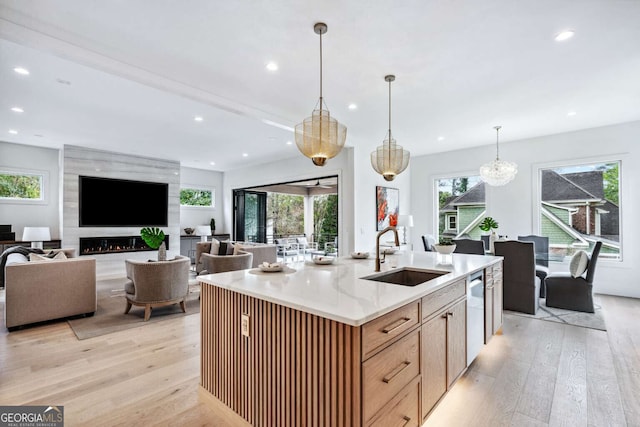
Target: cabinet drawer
(391, 325)
(442, 297)
(497, 268)
(403, 410)
(388, 372)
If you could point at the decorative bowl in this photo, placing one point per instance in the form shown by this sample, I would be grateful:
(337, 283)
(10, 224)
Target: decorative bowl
(389, 251)
(189, 230)
(445, 249)
(359, 255)
(323, 260)
(270, 268)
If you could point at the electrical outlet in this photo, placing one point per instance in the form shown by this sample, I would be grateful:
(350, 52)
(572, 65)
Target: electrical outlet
(244, 326)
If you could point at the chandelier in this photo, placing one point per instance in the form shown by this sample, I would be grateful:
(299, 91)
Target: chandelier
(320, 137)
(498, 172)
(389, 159)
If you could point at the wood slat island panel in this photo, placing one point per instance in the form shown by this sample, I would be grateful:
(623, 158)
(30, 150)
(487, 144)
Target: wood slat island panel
(295, 368)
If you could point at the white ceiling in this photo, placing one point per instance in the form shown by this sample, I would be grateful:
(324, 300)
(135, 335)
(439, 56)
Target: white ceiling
(139, 71)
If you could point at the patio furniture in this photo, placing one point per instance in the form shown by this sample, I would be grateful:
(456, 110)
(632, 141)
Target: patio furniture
(469, 246)
(573, 293)
(541, 244)
(521, 286)
(305, 247)
(286, 249)
(157, 283)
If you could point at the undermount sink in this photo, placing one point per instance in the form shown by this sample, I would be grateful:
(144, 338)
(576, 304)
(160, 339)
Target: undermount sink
(406, 276)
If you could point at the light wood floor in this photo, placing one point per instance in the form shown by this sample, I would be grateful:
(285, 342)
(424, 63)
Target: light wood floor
(536, 374)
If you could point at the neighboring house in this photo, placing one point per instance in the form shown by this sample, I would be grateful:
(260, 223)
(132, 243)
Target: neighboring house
(574, 212)
(462, 214)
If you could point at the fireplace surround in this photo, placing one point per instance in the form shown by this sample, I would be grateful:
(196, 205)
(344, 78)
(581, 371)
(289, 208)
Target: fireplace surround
(115, 244)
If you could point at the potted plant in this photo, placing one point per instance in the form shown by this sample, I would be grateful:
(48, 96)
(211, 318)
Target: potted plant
(487, 225)
(445, 246)
(154, 238)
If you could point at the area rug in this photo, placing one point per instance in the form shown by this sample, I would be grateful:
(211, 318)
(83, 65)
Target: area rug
(569, 317)
(110, 315)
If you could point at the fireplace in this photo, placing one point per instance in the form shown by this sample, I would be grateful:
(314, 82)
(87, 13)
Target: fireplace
(115, 244)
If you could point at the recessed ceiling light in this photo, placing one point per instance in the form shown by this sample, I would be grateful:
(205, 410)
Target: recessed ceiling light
(13, 131)
(17, 110)
(441, 138)
(272, 66)
(212, 163)
(21, 70)
(198, 118)
(353, 107)
(564, 35)
(245, 155)
(289, 143)
(571, 113)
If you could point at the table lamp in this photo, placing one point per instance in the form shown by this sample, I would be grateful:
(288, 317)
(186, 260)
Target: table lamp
(405, 221)
(203, 231)
(36, 235)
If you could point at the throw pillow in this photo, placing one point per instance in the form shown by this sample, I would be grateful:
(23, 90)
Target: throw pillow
(579, 263)
(60, 255)
(226, 248)
(38, 258)
(215, 247)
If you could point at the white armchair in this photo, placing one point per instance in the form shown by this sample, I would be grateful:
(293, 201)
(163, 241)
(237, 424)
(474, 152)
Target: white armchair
(286, 249)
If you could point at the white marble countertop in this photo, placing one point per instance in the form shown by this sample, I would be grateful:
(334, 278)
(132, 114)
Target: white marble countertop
(338, 292)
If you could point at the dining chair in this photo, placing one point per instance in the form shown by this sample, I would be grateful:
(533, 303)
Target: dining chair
(428, 241)
(469, 246)
(521, 286)
(541, 247)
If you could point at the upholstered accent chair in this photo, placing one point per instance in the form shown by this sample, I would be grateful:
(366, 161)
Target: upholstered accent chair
(573, 293)
(521, 286)
(541, 244)
(428, 241)
(157, 283)
(469, 246)
(221, 263)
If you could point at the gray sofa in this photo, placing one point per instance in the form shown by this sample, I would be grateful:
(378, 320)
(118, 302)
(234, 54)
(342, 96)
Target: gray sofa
(48, 290)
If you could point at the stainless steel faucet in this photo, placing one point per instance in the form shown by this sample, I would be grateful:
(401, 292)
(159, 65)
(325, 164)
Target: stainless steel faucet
(380, 233)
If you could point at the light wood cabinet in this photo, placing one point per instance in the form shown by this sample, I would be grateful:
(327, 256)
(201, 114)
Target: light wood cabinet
(403, 410)
(388, 372)
(444, 353)
(388, 327)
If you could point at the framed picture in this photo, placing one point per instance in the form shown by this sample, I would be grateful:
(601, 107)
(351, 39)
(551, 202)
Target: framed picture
(387, 207)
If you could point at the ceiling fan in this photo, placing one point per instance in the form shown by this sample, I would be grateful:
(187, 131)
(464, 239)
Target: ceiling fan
(318, 185)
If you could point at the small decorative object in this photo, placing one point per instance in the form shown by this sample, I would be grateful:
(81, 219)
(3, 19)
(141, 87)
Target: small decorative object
(154, 238)
(323, 260)
(189, 230)
(387, 207)
(270, 267)
(389, 159)
(212, 223)
(498, 172)
(389, 250)
(320, 137)
(360, 255)
(488, 224)
(445, 246)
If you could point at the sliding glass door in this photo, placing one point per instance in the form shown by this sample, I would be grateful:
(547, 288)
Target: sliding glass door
(250, 216)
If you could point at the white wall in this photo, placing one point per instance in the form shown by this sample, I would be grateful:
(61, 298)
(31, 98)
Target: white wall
(514, 205)
(20, 214)
(193, 216)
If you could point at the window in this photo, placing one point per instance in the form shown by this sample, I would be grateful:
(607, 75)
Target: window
(461, 206)
(22, 186)
(197, 197)
(579, 205)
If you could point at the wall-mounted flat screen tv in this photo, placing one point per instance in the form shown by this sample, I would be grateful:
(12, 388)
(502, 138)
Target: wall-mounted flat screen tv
(106, 202)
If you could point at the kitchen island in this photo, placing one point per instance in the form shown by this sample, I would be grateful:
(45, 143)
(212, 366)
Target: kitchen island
(321, 345)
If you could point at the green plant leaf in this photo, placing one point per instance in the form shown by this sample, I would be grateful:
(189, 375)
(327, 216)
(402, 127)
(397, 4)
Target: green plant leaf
(152, 236)
(488, 224)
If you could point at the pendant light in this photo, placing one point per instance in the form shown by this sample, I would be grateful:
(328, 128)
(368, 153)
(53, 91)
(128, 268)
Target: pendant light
(389, 159)
(498, 172)
(320, 137)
